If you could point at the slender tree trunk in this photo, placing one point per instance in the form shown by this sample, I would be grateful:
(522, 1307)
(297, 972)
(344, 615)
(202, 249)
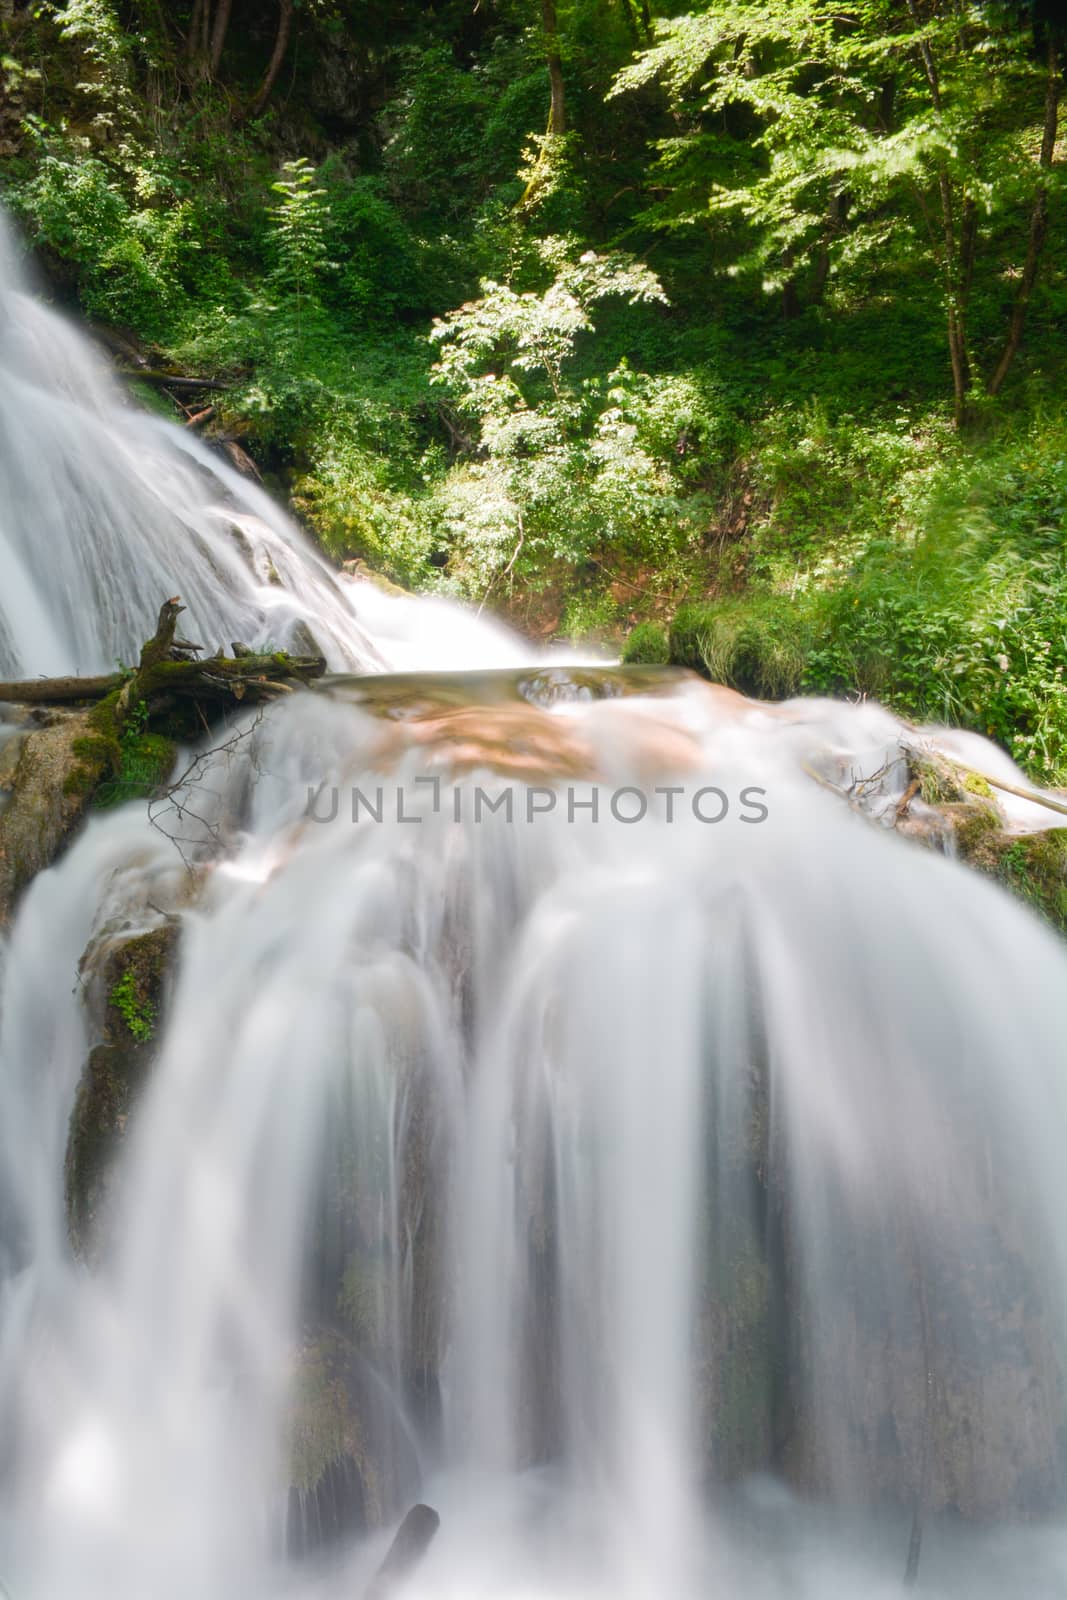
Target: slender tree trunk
(1035, 244)
(957, 307)
(835, 217)
(557, 109)
(281, 45)
(196, 29)
(557, 114)
(218, 33)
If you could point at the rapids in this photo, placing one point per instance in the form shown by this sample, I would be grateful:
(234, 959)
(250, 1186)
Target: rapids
(662, 1177)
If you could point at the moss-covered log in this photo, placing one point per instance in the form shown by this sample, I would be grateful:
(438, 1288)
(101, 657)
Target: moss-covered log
(219, 679)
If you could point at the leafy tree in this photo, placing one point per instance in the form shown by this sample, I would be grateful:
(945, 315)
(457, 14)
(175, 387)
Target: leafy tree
(821, 137)
(542, 445)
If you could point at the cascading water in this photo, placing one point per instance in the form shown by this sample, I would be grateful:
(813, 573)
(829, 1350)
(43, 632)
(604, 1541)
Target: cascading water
(676, 1203)
(106, 511)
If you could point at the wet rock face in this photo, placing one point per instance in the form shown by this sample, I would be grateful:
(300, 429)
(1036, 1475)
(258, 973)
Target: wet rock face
(45, 788)
(127, 980)
(352, 1466)
(930, 1375)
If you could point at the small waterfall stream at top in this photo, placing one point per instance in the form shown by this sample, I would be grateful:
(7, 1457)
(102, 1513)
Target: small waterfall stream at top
(559, 1107)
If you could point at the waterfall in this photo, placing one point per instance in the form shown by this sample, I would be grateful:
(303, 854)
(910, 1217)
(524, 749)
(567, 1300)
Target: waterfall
(556, 1105)
(106, 510)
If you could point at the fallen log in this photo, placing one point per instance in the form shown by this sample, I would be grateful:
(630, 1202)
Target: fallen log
(58, 760)
(172, 380)
(59, 691)
(220, 678)
(413, 1538)
(165, 669)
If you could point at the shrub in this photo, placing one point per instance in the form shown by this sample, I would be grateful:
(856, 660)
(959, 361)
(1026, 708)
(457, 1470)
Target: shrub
(759, 645)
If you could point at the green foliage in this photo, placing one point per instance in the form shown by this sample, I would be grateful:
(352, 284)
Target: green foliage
(557, 463)
(298, 239)
(647, 645)
(139, 762)
(137, 1012)
(760, 647)
(132, 249)
(969, 623)
(798, 103)
(440, 339)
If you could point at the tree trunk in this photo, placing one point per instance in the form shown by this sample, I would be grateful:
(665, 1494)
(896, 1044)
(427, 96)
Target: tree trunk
(835, 219)
(218, 33)
(281, 45)
(557, 114)
(639, 19)
(1038, 226)
(196, 42)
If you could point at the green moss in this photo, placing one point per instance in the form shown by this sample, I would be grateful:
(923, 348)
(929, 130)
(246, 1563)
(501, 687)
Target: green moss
(93, 748)
(98, 752)
(80, 780)
(104, 717)
(647, 645)
(978, 835)
(939, 783)
(1035, 868)
(145, 763)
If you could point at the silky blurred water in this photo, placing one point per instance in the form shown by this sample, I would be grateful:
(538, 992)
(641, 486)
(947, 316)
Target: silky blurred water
(601, 1106)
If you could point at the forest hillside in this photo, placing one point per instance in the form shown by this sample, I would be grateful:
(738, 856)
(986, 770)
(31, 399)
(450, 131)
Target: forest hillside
(729, 334)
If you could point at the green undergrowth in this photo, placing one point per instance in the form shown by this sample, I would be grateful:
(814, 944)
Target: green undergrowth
(682, 367)
(957, 613)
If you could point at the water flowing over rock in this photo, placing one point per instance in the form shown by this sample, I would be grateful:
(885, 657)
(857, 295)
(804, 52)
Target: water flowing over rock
(536, 1091)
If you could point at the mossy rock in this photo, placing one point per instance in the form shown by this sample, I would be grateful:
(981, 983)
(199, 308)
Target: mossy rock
(145, 762)
(127, 993)
(358, 568)
(351, 1465)
(1032, 866)
(57, 765)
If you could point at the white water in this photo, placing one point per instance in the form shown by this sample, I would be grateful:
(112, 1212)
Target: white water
(105, 511)
(574, 1101)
